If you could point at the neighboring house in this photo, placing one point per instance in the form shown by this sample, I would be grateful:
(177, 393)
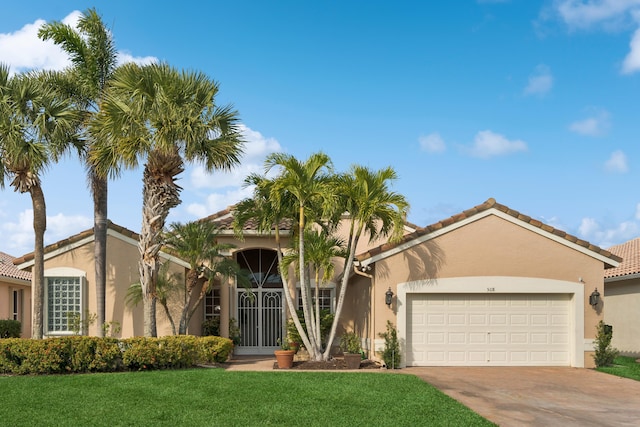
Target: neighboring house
(69, 283)
(15, 293)
(622, 298)
(486, 287)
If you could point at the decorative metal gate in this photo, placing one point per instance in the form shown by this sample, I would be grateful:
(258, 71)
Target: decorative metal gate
(261, 320)
(260, 310)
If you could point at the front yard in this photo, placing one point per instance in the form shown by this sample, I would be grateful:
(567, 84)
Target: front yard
(624, 367)
(216, 397)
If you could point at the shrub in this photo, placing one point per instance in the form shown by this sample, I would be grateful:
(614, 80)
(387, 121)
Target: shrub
(326, 320)
(211, 326)
(10, 328)
(604, 353)
(75, 354)
(350, 343)
(391, 352)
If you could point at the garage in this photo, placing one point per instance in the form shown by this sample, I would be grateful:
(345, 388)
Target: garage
(488, 329)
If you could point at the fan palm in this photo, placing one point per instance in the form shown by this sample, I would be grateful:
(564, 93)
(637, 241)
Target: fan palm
(93, 55)
(167, 117)
(36, 128)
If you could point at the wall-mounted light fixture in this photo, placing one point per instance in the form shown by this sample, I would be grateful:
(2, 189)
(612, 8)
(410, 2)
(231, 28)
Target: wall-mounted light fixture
(388, 297)
(594, 298)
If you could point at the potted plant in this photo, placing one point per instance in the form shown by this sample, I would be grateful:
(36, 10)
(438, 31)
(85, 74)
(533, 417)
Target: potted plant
(352, 350)
(284, 356)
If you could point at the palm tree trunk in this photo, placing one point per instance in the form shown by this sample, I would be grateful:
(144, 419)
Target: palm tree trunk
(100, 223)
(37, 278)
(160, 193)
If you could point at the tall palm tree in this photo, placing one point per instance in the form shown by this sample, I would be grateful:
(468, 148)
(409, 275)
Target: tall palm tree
(93, 55)
(309, 184)
(36, 128)
(167, 117)
(373, 209)
(196, 243)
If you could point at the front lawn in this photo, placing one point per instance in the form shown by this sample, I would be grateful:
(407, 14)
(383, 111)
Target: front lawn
(216, 397)
(624, 367)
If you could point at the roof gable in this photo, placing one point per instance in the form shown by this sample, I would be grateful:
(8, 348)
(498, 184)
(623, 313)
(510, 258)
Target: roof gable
(81, 239)
(490, 207)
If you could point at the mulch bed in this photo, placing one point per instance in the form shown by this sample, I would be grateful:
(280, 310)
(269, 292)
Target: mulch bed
(329, 365)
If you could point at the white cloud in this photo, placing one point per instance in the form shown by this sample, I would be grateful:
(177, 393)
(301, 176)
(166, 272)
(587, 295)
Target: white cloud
(631, 62)
(617, 162)
(20, 234)
(490, 144)
(596, 125)
(22, 50)
(256, 149)
(216, 202)
(579, 14)
(593, 232)
(432, 143)
(540, 82)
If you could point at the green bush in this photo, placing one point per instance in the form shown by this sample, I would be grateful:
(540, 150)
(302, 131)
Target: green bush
(10, 328)
(604, 353)
(326, 320)
(391, 352)
(211, 326)
(77, 354)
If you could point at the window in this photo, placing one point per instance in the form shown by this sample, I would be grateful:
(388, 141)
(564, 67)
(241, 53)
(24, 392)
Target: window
(65, 306)
(212, 304)
(325, 298)
(16, 304)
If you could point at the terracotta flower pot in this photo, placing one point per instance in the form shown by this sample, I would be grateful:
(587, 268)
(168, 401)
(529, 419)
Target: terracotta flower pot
(352, 360)
(284, 358)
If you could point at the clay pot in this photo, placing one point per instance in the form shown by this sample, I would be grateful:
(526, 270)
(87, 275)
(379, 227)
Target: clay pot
(284, 358)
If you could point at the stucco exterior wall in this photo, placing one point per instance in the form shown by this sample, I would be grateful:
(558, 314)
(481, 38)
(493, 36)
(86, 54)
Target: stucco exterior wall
(490, 246)
(622, 311)
(6, 303)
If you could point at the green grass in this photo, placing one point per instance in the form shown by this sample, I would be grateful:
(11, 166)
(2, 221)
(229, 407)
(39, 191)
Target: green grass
(215, 397)
(624, 367)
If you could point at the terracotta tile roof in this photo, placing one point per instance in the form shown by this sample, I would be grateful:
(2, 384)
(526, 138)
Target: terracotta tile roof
(224, 219)
(76, 238)
(8, 269)
(489, 204)
(630, 254)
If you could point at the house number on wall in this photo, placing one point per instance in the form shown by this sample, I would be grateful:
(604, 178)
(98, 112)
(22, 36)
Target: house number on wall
(491, 289)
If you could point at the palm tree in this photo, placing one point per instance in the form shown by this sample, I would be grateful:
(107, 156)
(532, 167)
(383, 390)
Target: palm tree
(93, 56)
(373, 209)
(36, 128)
(196, 243)
(168, 117)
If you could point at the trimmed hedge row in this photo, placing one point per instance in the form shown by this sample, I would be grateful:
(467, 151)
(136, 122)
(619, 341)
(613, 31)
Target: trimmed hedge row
(79, 354)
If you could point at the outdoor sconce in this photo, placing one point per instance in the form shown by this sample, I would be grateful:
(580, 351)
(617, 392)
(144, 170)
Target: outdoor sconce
(594, 298)
(388, 297)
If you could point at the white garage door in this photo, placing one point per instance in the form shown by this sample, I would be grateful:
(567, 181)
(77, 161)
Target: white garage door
(488, 329)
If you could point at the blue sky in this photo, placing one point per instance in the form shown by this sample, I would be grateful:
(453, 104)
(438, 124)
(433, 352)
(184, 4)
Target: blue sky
(533, 103)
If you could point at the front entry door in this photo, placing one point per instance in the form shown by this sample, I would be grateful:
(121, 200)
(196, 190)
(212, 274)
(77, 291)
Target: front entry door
(260, 315)
(260, 310)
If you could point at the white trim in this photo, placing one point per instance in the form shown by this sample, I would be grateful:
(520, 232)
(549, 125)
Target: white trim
(621, 278)
(481, 215)
(498, 285)
(64, 272)
(589, 344)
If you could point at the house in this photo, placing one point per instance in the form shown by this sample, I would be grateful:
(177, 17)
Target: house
(622, 298)
(487, 287)
(15, 292)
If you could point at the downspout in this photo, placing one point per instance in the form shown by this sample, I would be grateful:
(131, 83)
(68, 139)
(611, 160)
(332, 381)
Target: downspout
(358, 269)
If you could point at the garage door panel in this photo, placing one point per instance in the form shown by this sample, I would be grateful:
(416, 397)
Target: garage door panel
(481, 329)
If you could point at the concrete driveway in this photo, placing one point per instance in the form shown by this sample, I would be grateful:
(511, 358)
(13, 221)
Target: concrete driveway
(540, 396)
